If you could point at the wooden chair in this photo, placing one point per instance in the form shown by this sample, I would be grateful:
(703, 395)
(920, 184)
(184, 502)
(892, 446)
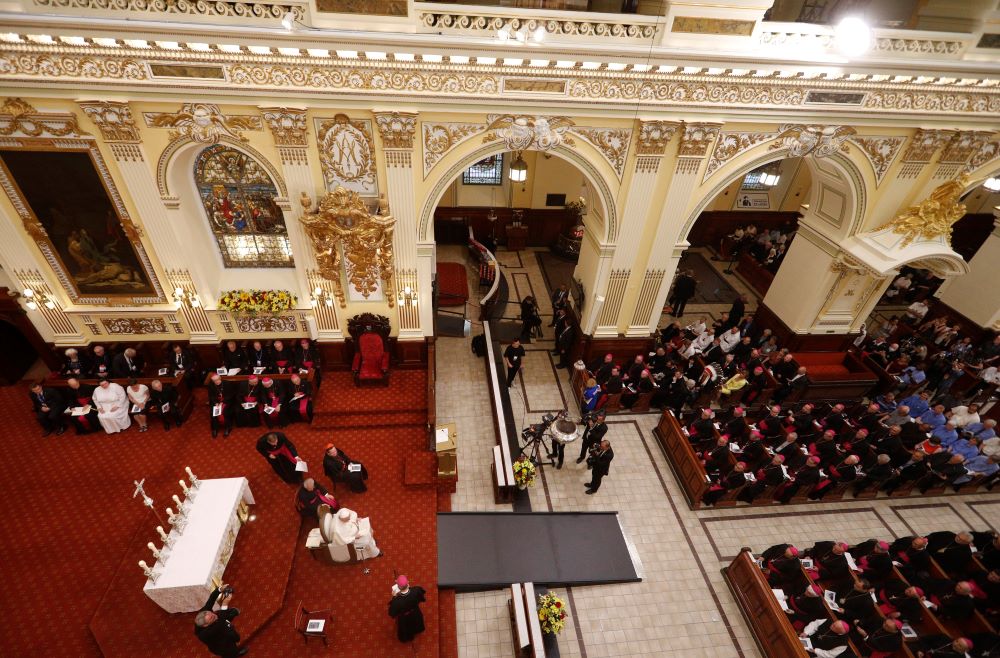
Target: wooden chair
(303, 617)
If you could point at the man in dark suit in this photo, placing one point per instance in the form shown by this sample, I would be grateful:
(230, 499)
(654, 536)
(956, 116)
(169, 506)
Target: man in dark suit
(684, 288)
(126, 365)
(163, 402)
(182, 360)
(600, 462)
(49, 407)
(592, 435)
(215, 628)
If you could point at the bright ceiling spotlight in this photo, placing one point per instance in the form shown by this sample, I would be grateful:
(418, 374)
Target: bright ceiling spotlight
(503, 34)
(288, 21)
(852, 36)
(539, 34)
(992, 184)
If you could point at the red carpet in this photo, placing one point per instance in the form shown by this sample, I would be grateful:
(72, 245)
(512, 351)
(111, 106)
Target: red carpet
(72, 533)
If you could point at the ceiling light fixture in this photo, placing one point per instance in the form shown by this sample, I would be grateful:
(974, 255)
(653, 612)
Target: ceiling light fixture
(518, 168)
(288, 21)
(992, 184)
(852, 36)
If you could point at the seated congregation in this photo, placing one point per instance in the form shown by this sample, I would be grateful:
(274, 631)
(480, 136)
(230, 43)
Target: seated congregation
(920, 597)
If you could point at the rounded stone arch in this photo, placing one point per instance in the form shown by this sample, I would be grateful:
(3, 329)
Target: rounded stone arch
(178, 158)
(446, 175)
(838, 167)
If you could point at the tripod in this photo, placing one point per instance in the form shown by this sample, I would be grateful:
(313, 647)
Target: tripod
(533, 448)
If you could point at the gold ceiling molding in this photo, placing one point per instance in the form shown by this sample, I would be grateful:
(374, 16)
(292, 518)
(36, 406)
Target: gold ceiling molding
(933, 217)
(396, 129)
(113, 119)
(611, 142)
(880, 151)
(654, 136)
(396, 8)
(457, 19)
(249, 9)
(730, 145)
(925, 144)
(203, 122)
(287, 125)
(696, 139)
(440, 138)
(812, 139)
(20, 117)
(520, 132)
(962, 145)
(344, 232)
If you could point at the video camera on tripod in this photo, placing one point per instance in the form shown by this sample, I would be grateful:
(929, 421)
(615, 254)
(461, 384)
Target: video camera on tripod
(533, 436)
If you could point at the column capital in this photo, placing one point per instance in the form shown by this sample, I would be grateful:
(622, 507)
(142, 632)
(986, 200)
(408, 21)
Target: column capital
(654, 135)
(696, 139)
(114, 120)
(288, 125)
(396, 129)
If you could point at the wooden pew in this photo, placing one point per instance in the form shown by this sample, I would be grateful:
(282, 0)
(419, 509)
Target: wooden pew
(681, 456)
(518, 621)
(772, 631)
(502, 463)
(185, 401)
(961, 627)
(307, 377)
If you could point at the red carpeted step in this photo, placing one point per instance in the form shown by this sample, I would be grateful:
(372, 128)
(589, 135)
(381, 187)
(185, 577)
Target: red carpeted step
(448, 627)
(342, 420)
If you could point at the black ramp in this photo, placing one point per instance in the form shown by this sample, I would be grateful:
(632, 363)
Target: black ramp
(486, 550)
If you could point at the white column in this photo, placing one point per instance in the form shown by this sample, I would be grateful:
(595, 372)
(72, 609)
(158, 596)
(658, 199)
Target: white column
(396, 130)
(288, 127)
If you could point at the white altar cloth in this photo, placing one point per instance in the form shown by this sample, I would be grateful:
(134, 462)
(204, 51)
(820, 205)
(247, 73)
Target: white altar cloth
(200, 553)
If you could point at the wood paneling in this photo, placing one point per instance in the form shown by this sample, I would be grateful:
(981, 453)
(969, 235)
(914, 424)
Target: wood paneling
(713, 225)
(544, 224)
(624, 349)
(801, 342)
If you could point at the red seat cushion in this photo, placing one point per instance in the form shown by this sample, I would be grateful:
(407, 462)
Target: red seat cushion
(828, 372)
(371, 361)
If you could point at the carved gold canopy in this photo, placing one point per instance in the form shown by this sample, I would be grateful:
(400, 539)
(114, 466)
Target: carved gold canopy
(343, 230)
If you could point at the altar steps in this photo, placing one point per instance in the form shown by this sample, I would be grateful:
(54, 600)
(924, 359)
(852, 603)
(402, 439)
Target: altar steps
(333, 420)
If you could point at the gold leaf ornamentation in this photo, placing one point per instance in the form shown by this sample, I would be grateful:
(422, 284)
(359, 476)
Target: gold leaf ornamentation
(880, 151)
(611, 142)
(439, 138)
(730, 145)
(203, 122)
(934, 216)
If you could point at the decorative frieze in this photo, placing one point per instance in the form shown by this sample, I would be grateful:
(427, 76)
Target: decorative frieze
(987, 152)
(266, 324)
(924, 144)
(520, 132)
(203, 122)
(812, 139)
(247, 9)
(135, 326)
(962, 145)
(18, 117)
(486, 24)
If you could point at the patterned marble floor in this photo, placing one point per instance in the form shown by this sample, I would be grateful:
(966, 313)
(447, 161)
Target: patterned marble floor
(682, 608)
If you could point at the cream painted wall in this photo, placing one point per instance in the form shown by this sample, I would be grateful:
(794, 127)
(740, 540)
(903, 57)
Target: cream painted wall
(551, 175)
(791, 191)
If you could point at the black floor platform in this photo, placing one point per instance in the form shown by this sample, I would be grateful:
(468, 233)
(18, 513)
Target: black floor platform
(483, 550)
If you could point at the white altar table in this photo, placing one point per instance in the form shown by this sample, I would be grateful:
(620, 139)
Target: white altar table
(200, 553)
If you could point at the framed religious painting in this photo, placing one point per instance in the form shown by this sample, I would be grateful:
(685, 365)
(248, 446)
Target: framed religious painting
(347, 154)
(70, 207)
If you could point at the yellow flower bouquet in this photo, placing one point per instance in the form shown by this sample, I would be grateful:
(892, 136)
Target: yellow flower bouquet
(254, 302)
(524, 472)
(551, 613)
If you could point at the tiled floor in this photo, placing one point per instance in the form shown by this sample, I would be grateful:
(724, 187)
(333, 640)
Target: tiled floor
(682, 608)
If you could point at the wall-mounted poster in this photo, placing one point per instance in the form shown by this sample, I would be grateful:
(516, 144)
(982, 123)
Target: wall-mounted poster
(88, 247)
(347, 154)
(752, 201)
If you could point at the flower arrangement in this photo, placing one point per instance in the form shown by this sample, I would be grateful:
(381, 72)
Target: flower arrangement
(524, 472)
(254, 302)
(579, 207)
(551, 613)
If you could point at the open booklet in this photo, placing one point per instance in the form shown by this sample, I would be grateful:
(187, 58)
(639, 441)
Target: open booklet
(81, 411)
(301, 467)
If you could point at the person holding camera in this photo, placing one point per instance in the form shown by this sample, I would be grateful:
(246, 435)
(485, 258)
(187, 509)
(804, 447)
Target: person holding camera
(215, 627)
(600, 463)
(596, 429)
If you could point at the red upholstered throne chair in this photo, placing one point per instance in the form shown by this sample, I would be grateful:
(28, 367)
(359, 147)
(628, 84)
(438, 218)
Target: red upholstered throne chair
(371, 355)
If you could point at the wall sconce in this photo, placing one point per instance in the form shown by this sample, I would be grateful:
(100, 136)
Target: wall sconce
(184, 298)
(407, 295)
(32, 299)
(320, 297)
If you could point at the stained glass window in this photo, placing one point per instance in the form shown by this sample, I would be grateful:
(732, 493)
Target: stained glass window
(488, 171)
(238, 197)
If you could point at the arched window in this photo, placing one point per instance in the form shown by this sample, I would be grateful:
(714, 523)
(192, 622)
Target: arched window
(238, 196)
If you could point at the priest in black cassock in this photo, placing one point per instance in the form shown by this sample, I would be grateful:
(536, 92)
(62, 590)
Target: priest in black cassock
(337, 466)
(281, 455)
(81, 395)
(233, 356)
(281, 357)
(405, 609)
(248, 403)
(307, 358)
(298, 400)
(311, 496)
(100, 363)
(272, 398)
(163, 403)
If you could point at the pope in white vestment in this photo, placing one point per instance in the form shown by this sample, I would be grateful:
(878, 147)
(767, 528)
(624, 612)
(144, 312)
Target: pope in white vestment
(346, 529)
(112, 407)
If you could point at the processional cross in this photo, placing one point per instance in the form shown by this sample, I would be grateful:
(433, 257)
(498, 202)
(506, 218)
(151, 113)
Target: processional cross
(147, 501)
